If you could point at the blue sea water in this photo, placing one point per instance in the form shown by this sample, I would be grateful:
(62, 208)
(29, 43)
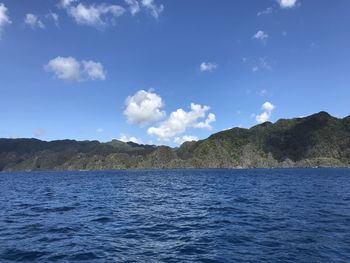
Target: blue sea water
(291, 215)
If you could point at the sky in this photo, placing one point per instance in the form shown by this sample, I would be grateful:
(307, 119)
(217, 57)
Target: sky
(168, 71)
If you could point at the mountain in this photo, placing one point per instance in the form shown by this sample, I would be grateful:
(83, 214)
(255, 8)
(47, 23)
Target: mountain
(319, 140)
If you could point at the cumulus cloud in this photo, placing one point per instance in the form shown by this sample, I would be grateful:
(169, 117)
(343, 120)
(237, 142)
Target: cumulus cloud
(180, 120)
(268, 106)
(68, 68)
(4, 18)
(144, 108)
(267, 109)
(65, 68)
(154, 9)
(96, 15)
(265, 12)
(94, 70)
(261, 35)
(185, 138)
(134, 6)
(207, 123)
(125, 138)
(33, 21)
(287, 3)
(207, 66)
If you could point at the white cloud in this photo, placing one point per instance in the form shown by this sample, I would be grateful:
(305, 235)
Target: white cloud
(125, 138)
(134, 6)
(287, 3)
(68, 68)
(94, 70)
(268, 106)
(267, 109)
(265, 12)
(206, 124)
(100, 15)
(152, 7)
(33, 21)
(208, 66)
(185, 138)
(96, 15)
(180, 120)
(4, 18)
(261, 35)
(65, 68)
(263, 117)
(54, 17)
(66, 3)
(144, 108)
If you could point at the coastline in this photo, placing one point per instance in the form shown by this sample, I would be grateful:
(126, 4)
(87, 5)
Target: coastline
(174, 169)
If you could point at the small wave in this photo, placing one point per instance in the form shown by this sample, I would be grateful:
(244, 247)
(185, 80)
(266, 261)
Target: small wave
(22, 255)
(84, 256)
(53, 209)
(103, 219)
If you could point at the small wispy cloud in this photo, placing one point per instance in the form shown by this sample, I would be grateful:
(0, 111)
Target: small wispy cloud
(134, 6)
(258, 64)
(54, 17)
(263, 92)
(100, 15)
(265, 12)
(155, 10)
(208, 66)
(33, 21)
(261, 36)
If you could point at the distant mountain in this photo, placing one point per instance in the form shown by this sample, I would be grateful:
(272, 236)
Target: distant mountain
(319, 140)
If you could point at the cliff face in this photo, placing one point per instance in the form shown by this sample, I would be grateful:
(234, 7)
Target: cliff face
(316, 140)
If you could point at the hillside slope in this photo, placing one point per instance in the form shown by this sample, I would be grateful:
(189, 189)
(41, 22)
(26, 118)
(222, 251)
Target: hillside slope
(316, 140)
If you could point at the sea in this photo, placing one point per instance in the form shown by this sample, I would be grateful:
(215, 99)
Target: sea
(218, 215)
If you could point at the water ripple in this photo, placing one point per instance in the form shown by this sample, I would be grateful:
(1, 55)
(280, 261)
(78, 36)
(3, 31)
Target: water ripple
(176, 216)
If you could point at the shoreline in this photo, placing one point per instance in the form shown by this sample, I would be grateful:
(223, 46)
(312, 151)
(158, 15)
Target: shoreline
(174, 169)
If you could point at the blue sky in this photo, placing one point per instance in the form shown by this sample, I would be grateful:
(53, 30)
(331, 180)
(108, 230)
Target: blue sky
(132, 69)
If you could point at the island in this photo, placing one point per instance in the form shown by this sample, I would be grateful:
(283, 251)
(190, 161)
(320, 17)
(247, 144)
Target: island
(319, 140)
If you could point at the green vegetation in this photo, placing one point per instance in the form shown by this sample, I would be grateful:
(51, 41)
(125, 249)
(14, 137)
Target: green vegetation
(316, 140)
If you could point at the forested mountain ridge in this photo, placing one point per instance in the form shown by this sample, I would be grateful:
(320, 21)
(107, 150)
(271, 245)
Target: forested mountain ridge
(313, 141)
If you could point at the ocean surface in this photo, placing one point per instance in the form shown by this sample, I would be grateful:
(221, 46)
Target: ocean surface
(291, 215)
